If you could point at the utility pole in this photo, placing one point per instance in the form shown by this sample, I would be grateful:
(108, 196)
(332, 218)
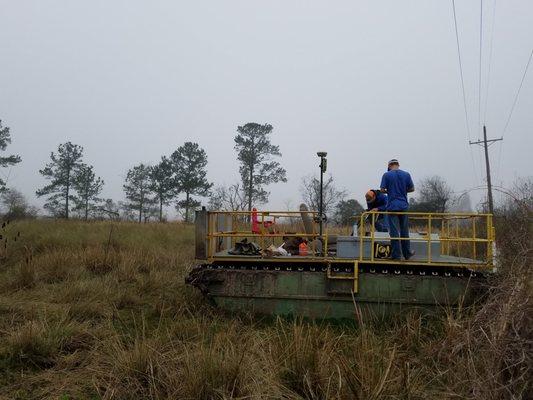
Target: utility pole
(486, 143)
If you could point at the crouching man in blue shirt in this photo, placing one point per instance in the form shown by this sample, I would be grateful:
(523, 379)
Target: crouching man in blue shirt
(397, 183)
(377, 201)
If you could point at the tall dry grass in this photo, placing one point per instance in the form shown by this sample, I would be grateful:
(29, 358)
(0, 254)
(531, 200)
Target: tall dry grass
(100, 310)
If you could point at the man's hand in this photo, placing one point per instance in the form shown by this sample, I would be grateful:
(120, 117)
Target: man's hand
(374, 209)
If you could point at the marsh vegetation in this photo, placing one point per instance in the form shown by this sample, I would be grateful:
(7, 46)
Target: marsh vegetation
(93, 310)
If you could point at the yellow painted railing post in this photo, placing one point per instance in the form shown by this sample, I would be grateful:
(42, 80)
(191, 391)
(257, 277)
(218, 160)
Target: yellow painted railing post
(474, 236)
(457, 242)
(326, 242)
(489, 237)
(429, 238)
(447, 244)
(373, 214)
(210, 238)
(493, 243)
(361, 234)
(487, 252)
(355, 277)
(441, 234)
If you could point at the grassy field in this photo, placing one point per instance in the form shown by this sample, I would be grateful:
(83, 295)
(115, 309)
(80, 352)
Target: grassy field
(100, 311)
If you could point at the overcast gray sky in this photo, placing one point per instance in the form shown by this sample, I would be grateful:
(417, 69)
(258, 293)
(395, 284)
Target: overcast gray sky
(365, 81)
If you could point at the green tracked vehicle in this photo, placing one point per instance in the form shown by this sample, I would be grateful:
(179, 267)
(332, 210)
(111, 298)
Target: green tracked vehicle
(343, 272)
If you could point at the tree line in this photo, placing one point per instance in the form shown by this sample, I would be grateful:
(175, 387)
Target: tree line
(74, 187)
(180, 179)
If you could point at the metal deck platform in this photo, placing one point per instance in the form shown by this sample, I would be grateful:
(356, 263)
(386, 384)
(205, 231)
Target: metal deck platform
(416, 259)
(341, 274)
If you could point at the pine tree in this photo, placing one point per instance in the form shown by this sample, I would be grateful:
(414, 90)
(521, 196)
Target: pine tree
(5, 139)
(60, 172)
(258, 169)
(87, 186)
(163, 184)
(138, 190)
(346, 211)
(189, 163)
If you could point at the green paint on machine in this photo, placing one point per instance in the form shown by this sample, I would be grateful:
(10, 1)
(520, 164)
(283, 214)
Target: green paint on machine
(312, 294)
(341, 276)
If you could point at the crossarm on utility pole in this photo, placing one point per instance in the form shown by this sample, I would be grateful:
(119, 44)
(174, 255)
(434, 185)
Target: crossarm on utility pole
(486, 142)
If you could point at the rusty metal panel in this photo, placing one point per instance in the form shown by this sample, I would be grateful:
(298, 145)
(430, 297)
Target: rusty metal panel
(200, 234)
(224, 224)
(314, 295)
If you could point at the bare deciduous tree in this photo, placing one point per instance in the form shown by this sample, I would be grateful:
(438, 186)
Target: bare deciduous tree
(519, 197)
(228, 198)
(310, 191)
(15, 205)
(434, 195)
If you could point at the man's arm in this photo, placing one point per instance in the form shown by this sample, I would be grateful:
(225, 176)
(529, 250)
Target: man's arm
(383, 186)
(410, 185)
(381, 202)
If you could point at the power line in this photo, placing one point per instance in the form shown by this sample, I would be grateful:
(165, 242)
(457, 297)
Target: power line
(517, 93)
(461, 70)
(498, 174)
(511, 112)
(476, 178)
(480, 59)
(490, 61)
(467, 121)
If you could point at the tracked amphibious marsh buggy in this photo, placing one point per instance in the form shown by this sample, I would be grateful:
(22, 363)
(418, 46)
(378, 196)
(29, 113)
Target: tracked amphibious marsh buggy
(346, 270)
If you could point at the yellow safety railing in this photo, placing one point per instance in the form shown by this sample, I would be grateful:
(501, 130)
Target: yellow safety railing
(270, 226)
(468, 237)
(459, 235)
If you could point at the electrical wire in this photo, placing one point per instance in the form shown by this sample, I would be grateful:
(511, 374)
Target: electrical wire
(467, 121)
(511, 114)
(490, 61)
(476, 176)
(480, 62)
(517, 93)
(498, 173)
(461, 71)
(488, 83)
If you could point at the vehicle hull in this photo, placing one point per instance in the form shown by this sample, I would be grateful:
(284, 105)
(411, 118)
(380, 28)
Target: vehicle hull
(320, 293)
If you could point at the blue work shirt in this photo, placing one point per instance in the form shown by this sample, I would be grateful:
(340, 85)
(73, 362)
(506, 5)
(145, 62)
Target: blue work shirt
(380, 201)
(397, 183)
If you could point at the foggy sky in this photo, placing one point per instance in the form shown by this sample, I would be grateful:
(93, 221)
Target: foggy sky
(366, 81)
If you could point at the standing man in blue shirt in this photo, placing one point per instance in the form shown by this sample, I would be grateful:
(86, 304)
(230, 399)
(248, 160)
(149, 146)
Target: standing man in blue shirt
(397, 183)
